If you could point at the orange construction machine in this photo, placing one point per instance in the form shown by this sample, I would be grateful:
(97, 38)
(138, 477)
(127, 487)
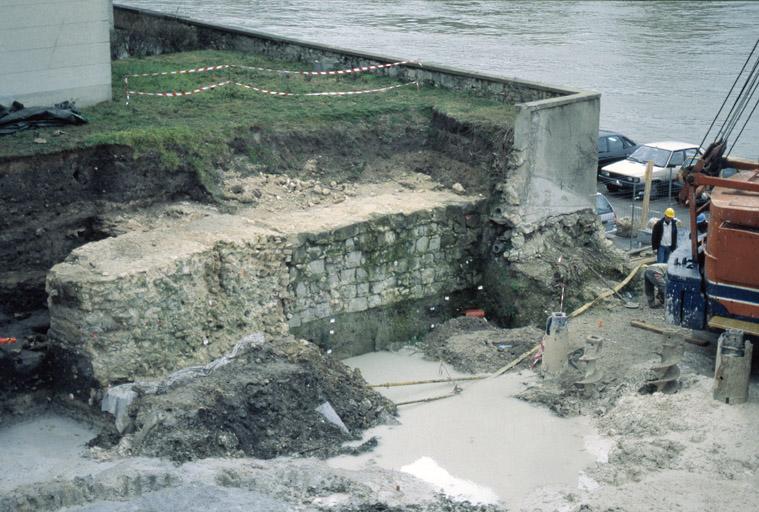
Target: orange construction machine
(714, 281)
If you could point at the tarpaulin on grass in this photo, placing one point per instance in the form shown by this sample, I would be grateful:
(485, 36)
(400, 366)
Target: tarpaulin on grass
(18, 118)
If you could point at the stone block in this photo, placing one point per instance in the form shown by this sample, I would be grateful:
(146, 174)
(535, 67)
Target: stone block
(362, 290)
(421, 244)
(357, 304)
(347, 276)
(316, 267)
(353, 259)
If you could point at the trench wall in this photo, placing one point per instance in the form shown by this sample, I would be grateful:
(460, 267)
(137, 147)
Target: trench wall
(145, 304)
(52, 204)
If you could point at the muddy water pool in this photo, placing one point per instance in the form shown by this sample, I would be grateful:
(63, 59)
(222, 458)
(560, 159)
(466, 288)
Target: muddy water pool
(483, 444)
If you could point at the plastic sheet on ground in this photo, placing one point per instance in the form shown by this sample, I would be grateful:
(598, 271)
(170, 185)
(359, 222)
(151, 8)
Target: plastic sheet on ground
(17, 117)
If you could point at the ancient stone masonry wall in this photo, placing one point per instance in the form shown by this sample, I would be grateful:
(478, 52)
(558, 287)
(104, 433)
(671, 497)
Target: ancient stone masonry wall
(114, 324)
(378, 263)
(147, 303)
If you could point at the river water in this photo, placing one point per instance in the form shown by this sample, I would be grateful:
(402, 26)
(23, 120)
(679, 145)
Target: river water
(663, 68)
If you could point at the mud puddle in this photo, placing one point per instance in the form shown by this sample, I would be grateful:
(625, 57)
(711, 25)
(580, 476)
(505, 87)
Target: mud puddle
(43, 448)
(482, 445)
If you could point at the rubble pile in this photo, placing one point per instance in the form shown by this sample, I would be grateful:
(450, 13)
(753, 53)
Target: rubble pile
(266, 402)
(534, 266)
(474, 345)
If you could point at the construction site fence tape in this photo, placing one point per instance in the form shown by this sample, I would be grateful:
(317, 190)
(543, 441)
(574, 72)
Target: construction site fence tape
(174, 94)
(332, 93)
(205, 69)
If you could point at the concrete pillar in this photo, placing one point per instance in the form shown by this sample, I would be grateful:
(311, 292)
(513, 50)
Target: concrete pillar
(556, 344)
(732, 368)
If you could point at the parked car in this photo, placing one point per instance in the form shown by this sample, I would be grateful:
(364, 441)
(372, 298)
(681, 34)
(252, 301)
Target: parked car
(667, 157)
(606, 214)
(613, 147)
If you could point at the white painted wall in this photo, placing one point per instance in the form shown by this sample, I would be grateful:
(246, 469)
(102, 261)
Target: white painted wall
(55, 50)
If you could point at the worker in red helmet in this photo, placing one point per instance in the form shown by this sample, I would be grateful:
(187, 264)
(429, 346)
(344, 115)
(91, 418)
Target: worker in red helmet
(664, 236)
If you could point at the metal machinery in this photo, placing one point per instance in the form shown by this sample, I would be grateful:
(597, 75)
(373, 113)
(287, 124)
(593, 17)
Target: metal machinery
(718, 287)
(714, 281)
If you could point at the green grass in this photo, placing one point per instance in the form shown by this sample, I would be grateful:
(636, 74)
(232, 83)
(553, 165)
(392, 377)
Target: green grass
(209, 118)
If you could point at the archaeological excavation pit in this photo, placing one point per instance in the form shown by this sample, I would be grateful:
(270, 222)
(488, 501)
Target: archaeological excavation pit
(156, 238)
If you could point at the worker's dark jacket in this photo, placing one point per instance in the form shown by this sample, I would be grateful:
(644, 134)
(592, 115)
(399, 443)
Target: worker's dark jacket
(658, 231)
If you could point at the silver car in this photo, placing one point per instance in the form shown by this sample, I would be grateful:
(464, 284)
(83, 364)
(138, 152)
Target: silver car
(605, 212)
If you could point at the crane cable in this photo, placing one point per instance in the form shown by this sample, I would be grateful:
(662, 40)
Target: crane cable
(729, 93)
(741, 101)
(724, 102)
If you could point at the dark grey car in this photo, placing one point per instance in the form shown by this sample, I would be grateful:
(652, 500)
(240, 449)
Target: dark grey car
(612, 147)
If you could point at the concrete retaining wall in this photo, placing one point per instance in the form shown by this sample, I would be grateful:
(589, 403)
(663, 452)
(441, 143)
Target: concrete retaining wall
(553, 169)
(55, 50)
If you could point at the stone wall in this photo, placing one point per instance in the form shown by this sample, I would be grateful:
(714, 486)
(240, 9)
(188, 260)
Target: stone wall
(161, 32)
(392, 260)
(147, 303)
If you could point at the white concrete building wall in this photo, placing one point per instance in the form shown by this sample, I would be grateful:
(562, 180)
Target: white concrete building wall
(55, 50)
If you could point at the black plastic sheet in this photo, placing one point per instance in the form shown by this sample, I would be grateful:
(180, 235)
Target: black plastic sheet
(18, 118)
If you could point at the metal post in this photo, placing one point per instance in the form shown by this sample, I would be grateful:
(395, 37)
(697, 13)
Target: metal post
(670, 186)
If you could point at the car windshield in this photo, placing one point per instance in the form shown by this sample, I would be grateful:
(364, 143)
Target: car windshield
(645, 153)
(602, 205)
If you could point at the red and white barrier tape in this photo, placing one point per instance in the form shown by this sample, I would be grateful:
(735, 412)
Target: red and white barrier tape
(180, 93)
(181, 71)
(263, 91)
(360, 69)
(333, 93)
(348, 71)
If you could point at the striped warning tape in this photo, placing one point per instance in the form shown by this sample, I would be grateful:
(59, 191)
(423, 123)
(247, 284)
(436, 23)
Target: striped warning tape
(180, 93)
(348, 71)
(264, 91)
(332, 93)
(181, 71)
(359, 69)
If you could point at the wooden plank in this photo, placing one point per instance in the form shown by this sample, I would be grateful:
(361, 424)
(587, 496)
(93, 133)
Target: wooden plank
(430, 381)
(721, 322)
(647, 193)
(653, 328)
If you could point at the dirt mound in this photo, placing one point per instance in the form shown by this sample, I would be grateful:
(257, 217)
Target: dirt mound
(473, 345)
(263, 404)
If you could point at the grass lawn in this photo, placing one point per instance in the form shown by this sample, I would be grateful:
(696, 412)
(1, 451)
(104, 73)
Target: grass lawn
(214, 117)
